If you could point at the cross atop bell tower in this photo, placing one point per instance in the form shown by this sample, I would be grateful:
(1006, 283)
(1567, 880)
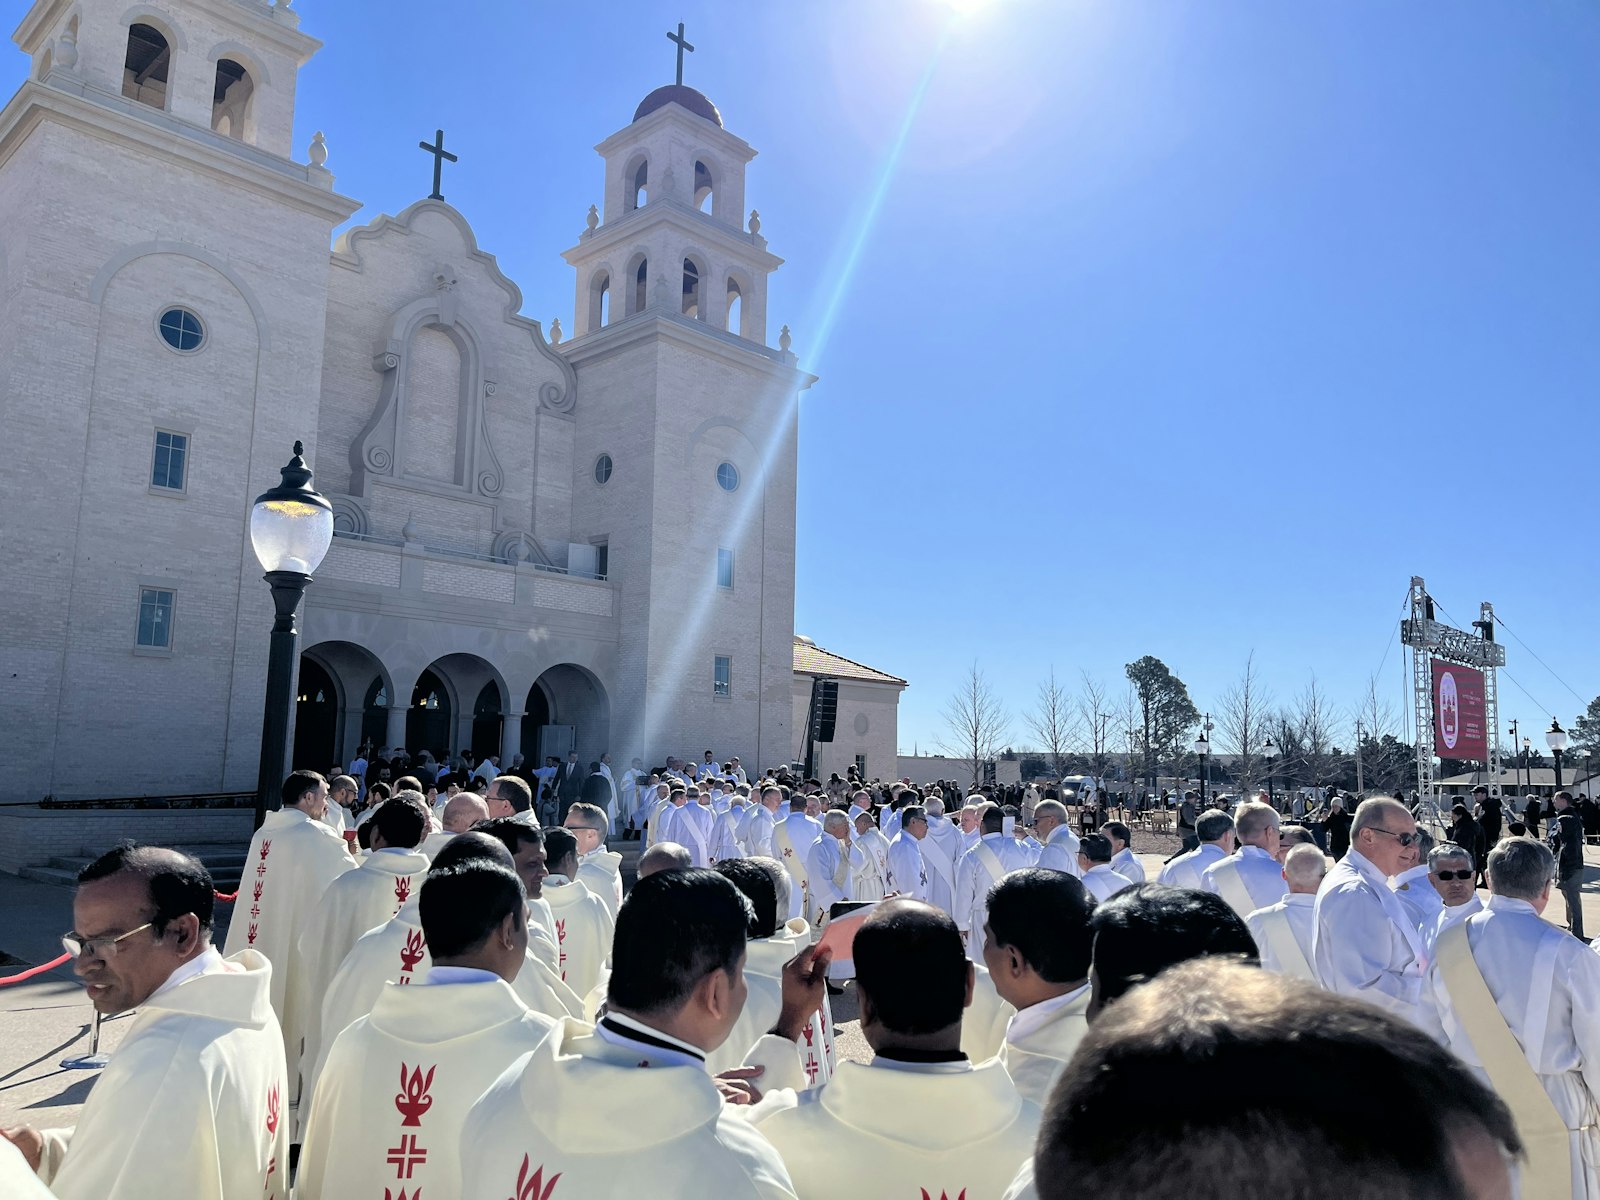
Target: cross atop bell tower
(683, 44)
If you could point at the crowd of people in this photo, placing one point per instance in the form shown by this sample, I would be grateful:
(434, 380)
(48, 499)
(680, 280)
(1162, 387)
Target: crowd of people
(447, 991)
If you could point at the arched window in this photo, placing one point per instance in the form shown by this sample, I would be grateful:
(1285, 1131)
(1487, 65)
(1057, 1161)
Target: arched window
(704, 186)
(638, 298)
(691, 290)
(600, 299)
(144, 72)
(45, 61)
(231, 97)
(735, 307)
(639, 185)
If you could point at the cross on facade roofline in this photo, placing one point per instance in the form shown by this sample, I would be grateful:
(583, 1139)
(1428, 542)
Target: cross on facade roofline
(439, 155)
(683, 45)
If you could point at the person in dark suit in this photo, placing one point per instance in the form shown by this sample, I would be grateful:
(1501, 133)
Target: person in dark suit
(1489, 818)
(1566, 843)
(596, 790)
(569, 784)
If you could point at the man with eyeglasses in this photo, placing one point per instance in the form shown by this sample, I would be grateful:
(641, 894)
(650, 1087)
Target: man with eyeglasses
(1454, 876)
(1363, 942)
(195, 1100)
(599, 869)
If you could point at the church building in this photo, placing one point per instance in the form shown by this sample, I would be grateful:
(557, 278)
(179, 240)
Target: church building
(541, 544)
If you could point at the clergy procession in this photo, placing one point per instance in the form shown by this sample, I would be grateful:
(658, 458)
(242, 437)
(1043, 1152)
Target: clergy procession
(409, 1002)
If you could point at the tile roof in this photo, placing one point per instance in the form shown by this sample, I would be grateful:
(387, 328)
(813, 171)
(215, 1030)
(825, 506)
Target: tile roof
(812, 659)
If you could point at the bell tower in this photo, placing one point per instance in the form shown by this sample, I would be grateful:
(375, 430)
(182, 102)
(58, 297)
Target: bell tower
(685, 438)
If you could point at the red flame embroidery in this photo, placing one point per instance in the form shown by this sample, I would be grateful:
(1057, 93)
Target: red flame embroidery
(415, 948)
(252, 936)
(273, 1110)
(533, 1187)
(402, 889)
(255, 892)
(808, 1033)
(412, 1100)
(416, 1195)
(943, 1195)
(266, 849)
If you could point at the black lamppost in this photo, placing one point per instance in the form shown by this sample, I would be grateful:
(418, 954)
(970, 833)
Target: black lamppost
(1556, 738)
(1513, 732)
(291, 527)
(1202, 747)
(1270, 752)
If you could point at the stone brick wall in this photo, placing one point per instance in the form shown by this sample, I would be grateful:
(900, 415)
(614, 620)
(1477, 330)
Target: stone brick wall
(30, 836)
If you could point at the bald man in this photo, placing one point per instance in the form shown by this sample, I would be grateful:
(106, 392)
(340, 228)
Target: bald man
(1054, 831)
(664, 856)
(1283, 930)
(461, 812)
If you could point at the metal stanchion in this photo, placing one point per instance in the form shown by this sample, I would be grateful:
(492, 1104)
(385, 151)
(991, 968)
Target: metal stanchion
(93, 1060)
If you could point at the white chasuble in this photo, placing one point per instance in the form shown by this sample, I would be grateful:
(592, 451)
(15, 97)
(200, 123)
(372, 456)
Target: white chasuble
(398, 1084)
(547, 1128)
(292, 861)
(858, 1136)
(194, 1103)
(601, 872)
(542, 932)
(907, 872)
(17, 1180)
(871, 880)
(583, 932)
(1040, 1040)
(1283, 934)
(792, 839)
(984, 1024)
(940, 850)
(355, 902)
(764, 961)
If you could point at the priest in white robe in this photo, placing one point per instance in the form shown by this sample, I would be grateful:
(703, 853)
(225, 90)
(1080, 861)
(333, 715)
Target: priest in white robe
(442, 1041)
(1058, 844)
(353, 903)
(941, 850)
(599, 869)
(871, 881)
(757, 838)
(1363, 943)
(1418, 895)
(628, 792)
(293, 858)
(834, 864)
(1037, 948)
(1123, 860)
(1214, 828)
(1252, 878)
(725, 841)
(1542, 985)
(907, 871)
(582, 920)
(793, 836)
(550, 1122)
(691, 824)
(461, 812)
(1283, 930)
(1094, 856)
(524, 840)
(1452, 872)
(868, 1131)
(194, 1103)
(983, 866)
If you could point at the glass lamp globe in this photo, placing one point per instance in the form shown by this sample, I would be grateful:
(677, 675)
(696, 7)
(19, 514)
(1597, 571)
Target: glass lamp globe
(1269, 750)
(1556, 737)
(291, 526)
(1201, 746)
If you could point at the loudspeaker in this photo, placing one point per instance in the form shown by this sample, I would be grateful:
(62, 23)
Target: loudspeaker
(826, 712)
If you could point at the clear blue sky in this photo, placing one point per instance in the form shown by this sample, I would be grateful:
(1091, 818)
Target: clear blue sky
(1180, 328)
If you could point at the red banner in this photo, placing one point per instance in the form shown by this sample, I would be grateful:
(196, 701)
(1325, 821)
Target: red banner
(1458, 723)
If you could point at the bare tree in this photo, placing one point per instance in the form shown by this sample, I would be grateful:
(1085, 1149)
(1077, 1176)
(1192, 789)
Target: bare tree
(1054, 723)
(1314, 730)
(1244, 722)
(1096, 713)
(976, 723)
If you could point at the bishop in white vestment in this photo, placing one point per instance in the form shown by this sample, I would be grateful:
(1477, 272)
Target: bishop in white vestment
(986, 864)
(940, 851)
(872, 880)
(691, 826)
(1214, 828)
(1252, 878)
(1282, 931)
(793, 837)
(907, 871)
(1058, 844)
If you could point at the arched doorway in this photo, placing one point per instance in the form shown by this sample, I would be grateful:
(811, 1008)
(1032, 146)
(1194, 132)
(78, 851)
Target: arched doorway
(375, 714)
(316, 719)
(575, 714)
(536, 715)
(428, 721)
(486, 719)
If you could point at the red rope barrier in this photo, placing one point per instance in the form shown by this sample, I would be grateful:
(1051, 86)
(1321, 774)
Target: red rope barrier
(39, 970)
(225, 897)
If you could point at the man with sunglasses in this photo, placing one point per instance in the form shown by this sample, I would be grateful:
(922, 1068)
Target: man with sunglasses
(195, 1100)
(1363, 940)
(1454, 876)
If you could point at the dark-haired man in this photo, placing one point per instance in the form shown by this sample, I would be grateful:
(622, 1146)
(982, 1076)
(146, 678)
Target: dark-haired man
(446, 1039)
(525, 842)
(582, 921)
(676, 991)
(195, 1100)
(1037, 949)
(1145, 929)
(293, 858)
(354, 903)
(866, 1132)
(1214, 831)
(1294, 1062)
(991, 857)
(1094, 858)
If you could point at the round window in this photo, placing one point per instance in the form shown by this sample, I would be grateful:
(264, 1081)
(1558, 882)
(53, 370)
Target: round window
(602, 468)
(727, 476)
(181, 330)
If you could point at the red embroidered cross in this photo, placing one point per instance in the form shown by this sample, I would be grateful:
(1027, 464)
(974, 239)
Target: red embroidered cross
(261, 870)
(407, 1156)
(811, 1068)
(533, 1187)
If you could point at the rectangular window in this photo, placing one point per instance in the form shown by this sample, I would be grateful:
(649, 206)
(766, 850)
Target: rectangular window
(722, 676)
(602, 559)
(155, 618)
(171, 462)
(725, 568)
(861, 766)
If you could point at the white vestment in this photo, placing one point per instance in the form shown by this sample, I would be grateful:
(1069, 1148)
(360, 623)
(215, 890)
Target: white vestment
(1104, 883)
(1283, 935)
(1448, 917)
(725, 833)
(1364, 944)
(792, 839)
(940, 851)
(435, 842)
(353, 903)
(764, 961)
(601, 872)
(292, 861)
(990, 860)
(195, 1102)
(691, 827)
(1419, 897)
(1060, 852)
(908, 873)
(831, 870)
(583, 932)
(1040, 1039)
(17, 1180)
(1248, 880)
(1186, 870)
(758, 833)
(856, 1136)
(872, 881)
(398, 1084)
(984, 1024)
(1545, 983)
(547, 1128)
(1125, 863)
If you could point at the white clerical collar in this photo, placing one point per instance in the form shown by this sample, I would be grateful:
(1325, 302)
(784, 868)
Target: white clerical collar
(392, 850)
(954, 1066)
(209, 959)
(1301, 899)
(1509, 904)
(1406, 878)
(438, 975)
(668, 1051)
(556, 880)
(1035, 1016)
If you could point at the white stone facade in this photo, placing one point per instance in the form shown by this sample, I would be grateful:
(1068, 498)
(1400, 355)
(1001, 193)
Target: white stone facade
(483, 572)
